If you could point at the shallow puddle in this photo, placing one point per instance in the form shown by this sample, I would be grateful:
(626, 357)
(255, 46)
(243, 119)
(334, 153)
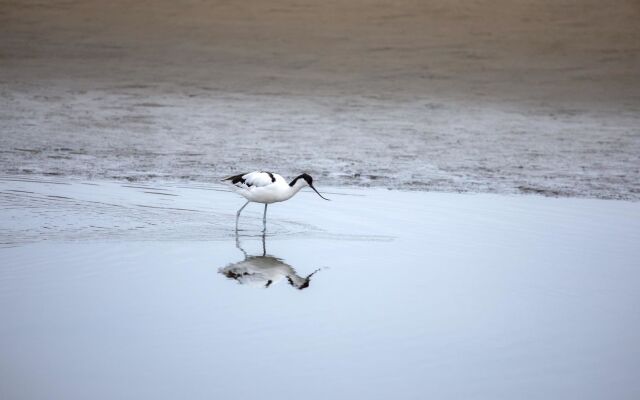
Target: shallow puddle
(146, 291)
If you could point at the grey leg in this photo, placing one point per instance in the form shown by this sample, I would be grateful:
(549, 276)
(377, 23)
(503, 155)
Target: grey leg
(264, 217)
(242, 208)
(238, 213)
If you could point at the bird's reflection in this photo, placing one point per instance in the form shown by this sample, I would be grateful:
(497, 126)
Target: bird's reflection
(264, 271)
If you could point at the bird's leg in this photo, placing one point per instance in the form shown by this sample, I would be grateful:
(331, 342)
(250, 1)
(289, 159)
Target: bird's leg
(238, 213)
(242, 208)
(264, 218)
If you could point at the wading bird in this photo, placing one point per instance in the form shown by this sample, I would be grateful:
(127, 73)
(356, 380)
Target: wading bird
(266, 188)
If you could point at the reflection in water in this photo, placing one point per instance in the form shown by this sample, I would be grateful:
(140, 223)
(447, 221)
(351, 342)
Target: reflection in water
(264, 270)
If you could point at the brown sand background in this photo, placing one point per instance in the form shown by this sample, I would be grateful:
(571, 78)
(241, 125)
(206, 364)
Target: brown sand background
(490, 96)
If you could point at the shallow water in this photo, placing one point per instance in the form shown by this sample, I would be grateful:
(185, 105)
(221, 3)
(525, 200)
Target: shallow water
(124, 291)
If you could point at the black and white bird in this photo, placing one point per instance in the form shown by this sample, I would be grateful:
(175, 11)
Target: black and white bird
(267, 187)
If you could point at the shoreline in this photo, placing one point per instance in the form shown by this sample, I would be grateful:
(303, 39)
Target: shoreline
(76, 210)
(422, 188)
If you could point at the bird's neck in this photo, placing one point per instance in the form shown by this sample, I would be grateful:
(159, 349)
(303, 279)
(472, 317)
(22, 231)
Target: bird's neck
(297, 180)
(295, 188)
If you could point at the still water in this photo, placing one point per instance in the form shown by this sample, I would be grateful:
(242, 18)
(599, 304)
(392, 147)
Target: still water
(121, 291)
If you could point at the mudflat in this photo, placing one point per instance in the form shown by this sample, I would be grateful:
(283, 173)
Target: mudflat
(532, 96)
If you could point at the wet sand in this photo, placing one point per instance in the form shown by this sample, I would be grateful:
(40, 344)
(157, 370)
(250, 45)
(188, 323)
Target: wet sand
(111, 290)
(472, 96)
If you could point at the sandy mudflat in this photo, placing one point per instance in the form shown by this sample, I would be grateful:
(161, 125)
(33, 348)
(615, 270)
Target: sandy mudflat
(111, 290)
(481, 96)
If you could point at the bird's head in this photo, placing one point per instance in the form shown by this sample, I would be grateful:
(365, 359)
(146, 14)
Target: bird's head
(306, 178)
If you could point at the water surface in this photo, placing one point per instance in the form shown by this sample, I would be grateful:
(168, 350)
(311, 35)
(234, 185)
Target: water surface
(120, 291)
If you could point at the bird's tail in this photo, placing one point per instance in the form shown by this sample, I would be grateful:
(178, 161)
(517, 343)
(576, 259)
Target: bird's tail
(231, 178)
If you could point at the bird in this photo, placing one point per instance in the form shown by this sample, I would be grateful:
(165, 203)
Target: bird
(267, 188)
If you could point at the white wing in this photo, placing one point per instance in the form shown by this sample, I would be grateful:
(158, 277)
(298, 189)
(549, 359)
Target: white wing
(254, 179)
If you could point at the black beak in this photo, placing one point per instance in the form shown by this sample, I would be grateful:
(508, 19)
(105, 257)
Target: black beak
(314, 189)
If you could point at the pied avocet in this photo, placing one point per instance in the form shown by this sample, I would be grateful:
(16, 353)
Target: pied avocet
(267, 187)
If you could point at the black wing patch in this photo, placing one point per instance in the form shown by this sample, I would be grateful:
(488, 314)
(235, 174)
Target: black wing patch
(273, 179)
(237, 179)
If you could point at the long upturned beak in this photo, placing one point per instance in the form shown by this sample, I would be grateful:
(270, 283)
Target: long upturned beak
(314, 189)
